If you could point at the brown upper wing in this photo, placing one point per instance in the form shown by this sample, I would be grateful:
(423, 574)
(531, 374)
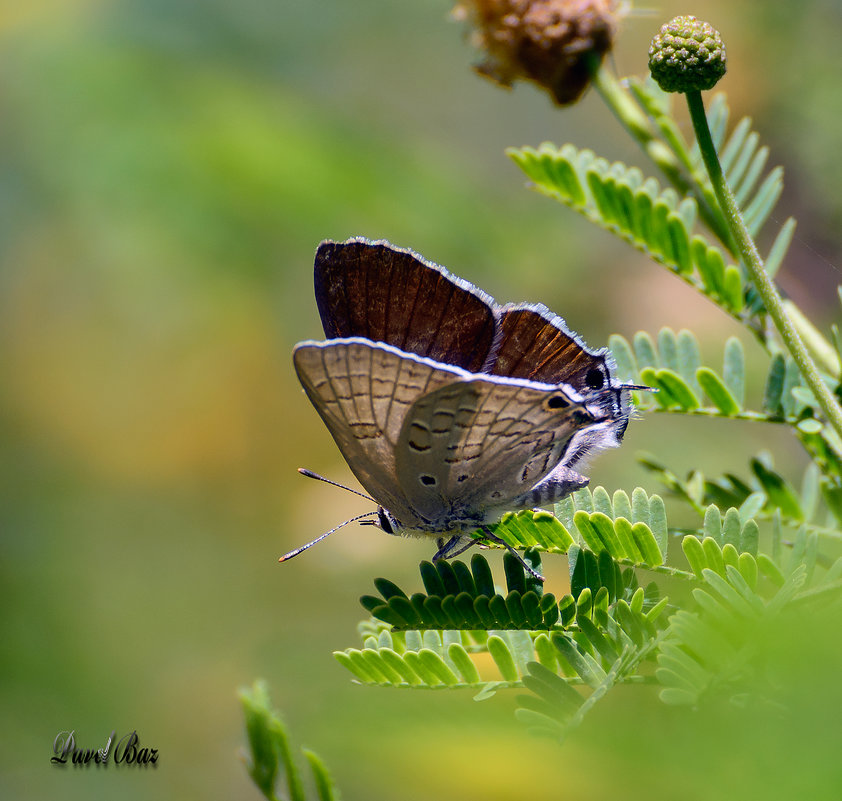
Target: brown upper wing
(388, 294)
(537, 345)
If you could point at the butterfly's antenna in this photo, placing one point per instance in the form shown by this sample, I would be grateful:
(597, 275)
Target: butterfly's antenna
(297, 551)
(310, 474)
(598, 394)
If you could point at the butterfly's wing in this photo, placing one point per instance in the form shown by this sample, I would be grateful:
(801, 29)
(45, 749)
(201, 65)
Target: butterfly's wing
(537, 345)
(477, 444)
(363, 391)
(388, 294)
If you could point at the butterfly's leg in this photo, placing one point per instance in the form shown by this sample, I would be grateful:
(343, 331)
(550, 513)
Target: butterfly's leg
(449, 549)
(491, 537)
(470, 544)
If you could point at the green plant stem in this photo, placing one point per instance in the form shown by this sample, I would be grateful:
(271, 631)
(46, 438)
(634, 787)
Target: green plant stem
(820, 349)
(639, 126)
(754, 264)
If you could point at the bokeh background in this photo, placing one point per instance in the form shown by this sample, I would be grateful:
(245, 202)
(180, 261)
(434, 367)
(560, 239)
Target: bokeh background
(167, 169)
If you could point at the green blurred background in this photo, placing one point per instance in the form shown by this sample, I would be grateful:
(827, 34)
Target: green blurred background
(167, 169)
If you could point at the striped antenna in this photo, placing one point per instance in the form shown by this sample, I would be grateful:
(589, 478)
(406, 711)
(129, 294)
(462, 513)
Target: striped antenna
(286, 557)
(310, 474)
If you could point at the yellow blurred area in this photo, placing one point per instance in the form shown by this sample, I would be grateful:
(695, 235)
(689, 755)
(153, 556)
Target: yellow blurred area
(142, 382)
(36, 12)
(167, 170)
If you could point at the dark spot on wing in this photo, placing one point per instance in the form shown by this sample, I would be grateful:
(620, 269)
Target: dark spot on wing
(557, 402)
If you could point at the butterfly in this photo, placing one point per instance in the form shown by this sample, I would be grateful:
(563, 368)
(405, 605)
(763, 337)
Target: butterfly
(449, 408)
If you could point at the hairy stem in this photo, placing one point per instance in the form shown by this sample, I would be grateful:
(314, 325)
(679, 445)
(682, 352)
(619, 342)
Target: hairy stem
(754, 264)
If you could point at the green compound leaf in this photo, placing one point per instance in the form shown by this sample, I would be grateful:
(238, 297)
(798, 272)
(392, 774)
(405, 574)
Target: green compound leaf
(719, 394)
(533, 529)
(652, 220)
(590, 573)
(757, 211)
(444, 659)
(713, 552)
(657, 221)
(713, 650)
(674, 388)
(631, 531)
(271, 757)
(779, 492)
(627, 371)
(773, 394)
(765, 495)
(597, 658)
(734, 369)
(325, 788)
(523, 606)
(673, 368)
(464, 598)
(645, 352)
(603, 627)
(710, 266)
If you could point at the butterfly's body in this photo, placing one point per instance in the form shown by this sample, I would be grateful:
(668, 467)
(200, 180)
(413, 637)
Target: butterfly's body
(450, 409)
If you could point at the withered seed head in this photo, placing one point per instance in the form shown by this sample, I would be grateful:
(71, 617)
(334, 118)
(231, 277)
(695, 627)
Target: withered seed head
(554, 43)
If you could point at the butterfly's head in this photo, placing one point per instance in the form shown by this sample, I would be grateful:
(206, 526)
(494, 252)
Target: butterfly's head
(385, 521)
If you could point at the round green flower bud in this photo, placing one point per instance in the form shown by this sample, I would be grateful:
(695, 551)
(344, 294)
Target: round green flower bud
(686, 55)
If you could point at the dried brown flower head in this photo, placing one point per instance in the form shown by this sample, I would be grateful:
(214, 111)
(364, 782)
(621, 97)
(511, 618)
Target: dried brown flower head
(550, 42)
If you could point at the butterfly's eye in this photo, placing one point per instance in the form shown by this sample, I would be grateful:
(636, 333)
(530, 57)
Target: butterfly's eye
(427, 480)
(387, 522)
(595, 379)
(581, 417)
(383, 520)
(557, 402)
